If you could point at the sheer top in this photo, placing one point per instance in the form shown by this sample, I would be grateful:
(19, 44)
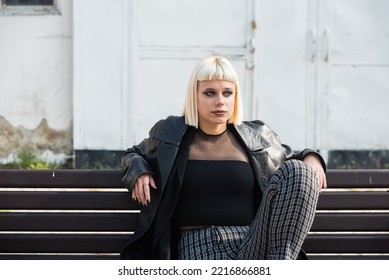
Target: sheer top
(218, 184)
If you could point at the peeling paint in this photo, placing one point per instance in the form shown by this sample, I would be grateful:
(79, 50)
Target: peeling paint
(42, 140)
(28, 11)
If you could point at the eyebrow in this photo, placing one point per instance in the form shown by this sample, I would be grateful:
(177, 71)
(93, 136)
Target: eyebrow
(214, 89)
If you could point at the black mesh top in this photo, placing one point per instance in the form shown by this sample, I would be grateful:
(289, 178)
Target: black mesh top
(218, 184)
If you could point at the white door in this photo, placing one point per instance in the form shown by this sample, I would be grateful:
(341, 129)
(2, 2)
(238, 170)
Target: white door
(353, 74)
(167, 39)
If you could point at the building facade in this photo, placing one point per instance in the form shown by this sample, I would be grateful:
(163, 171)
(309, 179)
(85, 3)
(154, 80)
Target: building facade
(91, 77)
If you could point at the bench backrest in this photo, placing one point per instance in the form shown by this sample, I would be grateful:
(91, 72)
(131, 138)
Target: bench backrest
(352, 217)
(64, 214)
(89, 214)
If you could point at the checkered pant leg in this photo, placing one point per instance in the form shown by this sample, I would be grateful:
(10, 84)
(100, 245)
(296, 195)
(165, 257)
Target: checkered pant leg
(285, 215)
(211, 243)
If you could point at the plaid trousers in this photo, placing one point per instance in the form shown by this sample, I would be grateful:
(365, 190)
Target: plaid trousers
(278, 230)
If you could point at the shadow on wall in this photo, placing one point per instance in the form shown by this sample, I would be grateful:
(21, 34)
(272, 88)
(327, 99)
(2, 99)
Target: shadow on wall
(98, 159)
(358, 159)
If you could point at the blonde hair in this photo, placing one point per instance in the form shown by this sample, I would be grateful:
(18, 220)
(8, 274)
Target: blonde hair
(211, 68)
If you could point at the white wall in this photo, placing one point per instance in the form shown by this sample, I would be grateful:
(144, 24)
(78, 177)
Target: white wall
(36, 78)
(100, 73)
(36, 66)
(283, 70)
(132, 61)
(120, 52)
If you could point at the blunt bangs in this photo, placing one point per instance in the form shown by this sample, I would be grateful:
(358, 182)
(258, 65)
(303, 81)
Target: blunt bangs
(217, 69)
(211, 68)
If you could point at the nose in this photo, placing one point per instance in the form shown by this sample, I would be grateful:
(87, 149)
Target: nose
(220, 100)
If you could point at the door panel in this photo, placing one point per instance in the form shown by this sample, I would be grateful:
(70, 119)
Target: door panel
(354, 88)
(170, 37)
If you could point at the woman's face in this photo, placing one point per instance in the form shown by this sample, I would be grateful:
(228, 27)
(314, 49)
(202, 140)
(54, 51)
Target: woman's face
(215, 104)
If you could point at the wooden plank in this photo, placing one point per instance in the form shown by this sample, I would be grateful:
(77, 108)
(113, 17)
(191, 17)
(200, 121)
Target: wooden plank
(117, 257)
(91, 178)
(351, 222)
(67, 200)
(353, 200)
(347, 243)
(68, 221)
(127, 222)
(60, 178)
(348, 257)
(99, 256)
(62, 243)
(358, 178)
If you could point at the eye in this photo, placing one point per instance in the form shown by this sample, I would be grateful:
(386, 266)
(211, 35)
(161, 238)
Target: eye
(227, 93)
(209, 93)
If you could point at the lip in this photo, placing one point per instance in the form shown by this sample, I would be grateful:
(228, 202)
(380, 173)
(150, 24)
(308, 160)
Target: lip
(219, 112)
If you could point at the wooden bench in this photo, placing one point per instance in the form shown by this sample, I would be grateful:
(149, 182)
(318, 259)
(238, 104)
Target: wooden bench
(88, 214)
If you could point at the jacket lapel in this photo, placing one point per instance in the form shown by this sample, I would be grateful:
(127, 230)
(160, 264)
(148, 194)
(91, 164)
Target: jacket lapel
(170, 137)
(253, 140)
(172, 133)
(256, 145)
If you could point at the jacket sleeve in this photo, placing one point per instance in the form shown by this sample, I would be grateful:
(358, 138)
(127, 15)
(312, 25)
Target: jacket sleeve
(135, 160)
(290, 154)
(302, 154)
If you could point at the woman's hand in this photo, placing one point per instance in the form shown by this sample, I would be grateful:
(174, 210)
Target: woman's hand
(313, 161)
(141, 190)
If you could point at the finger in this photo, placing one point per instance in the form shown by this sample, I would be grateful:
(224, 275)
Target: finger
(146, 191)
(144, 181)
(133, 194)
(152, 183)
(323, 182)
(139, 191)
(148, 182)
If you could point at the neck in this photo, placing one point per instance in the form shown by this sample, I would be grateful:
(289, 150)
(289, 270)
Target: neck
(216, 130)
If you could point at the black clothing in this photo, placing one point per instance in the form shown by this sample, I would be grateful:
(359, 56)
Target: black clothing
(216, 192)
(165, 154)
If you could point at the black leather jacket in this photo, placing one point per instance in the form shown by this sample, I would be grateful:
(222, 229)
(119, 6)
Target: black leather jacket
(163, 154)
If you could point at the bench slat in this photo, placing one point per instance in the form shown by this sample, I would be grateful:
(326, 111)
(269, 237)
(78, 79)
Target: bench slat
(62, 243)
(377, 178)
(67, 200)
(98, 256)
(348, 257)
(127, 221)
(122, 200)
(358, 178)
(351, 222)
(92, 178)
(109, 243)
(354, 200)
(347, 243)
(61, 178)
(68, 221)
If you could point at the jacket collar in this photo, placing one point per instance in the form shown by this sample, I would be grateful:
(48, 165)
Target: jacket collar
(172, 131)
(251, 137)
(175, 128)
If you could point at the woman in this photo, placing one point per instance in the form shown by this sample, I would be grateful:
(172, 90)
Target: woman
(214, 187)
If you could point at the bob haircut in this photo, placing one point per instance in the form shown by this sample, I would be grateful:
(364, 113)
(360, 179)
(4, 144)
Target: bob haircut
(211, 68)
